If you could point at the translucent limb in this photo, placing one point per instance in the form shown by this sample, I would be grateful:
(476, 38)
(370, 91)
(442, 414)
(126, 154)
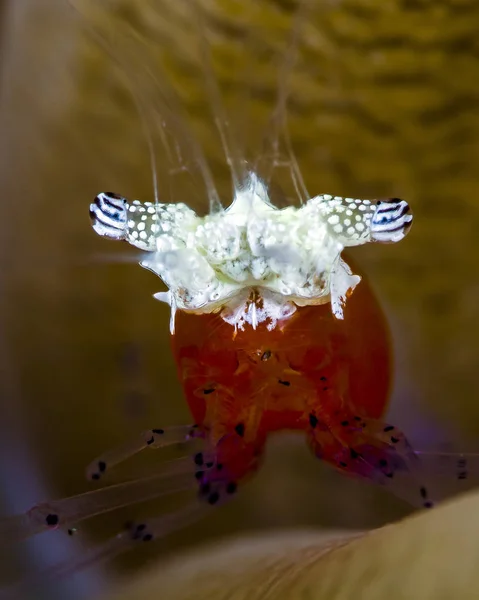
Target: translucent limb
(385, 450)
(212, 472)
(153, 529)
(354, 222)
(151, 438)
(436, 475)
(451, 469)
(376, 452)
(177, 476)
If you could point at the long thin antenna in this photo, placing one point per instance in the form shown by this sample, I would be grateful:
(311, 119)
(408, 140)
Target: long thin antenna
(172, 117)
(278, 120)
(149, 141)
(221, 121)
(136, 101)
(215, 203)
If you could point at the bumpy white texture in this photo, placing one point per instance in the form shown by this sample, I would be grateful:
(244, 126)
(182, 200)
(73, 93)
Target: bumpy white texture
(219, 261)
(253, 262)
(343, 283)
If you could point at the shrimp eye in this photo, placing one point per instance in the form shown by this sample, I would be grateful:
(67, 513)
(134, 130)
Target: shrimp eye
(108, 214)
(391, 220)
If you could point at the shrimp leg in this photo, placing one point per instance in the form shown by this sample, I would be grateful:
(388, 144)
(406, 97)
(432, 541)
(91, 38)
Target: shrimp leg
(176, 476)
(370, 449)
(132, 534)
(172, 477)
(151, 438)
(213, 472)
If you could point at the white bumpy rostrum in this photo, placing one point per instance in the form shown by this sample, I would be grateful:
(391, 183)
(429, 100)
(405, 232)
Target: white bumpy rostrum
(252, 262)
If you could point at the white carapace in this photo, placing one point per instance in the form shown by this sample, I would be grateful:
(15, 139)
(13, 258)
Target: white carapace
(252, 262)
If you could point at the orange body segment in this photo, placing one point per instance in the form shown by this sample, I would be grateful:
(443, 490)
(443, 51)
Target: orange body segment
(311, 372)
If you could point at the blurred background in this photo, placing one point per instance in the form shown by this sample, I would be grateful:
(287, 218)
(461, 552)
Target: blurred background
(383, 100)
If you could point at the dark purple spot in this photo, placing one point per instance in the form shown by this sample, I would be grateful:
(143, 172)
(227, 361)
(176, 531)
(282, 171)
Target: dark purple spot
(213, 498)
(231, 487)
(205, 488)
(240, 429)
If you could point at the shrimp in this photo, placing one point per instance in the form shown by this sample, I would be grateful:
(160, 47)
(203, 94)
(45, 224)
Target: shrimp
(264, 339)
(272, 331)
(261, 331)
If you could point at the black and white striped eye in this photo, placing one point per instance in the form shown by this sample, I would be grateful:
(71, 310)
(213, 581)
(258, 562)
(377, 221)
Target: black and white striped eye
(391, 220)
(108, 214)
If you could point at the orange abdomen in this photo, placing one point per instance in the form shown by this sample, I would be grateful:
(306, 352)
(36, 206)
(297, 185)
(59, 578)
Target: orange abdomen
(258, 381)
